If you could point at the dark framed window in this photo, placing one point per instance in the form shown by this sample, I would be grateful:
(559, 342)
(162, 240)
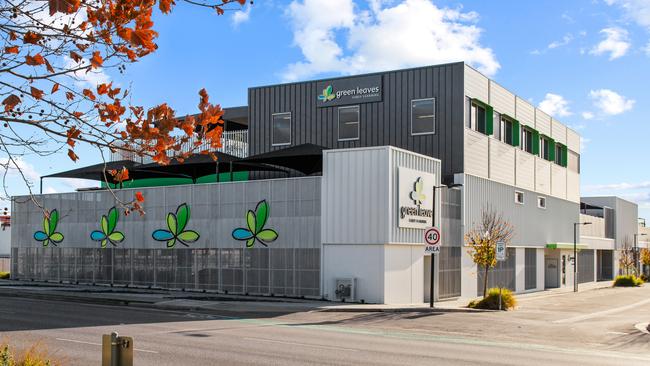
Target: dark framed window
(348, 123)
(541, 202)
(507, 131)
(527, 140)
(477, 116)
(423, 116)
(519, 197)
(281, 129)
(545, 148)
(558, 154)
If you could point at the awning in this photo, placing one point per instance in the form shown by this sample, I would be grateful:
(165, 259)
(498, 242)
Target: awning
(100, 172)
(566, 246)
(305, 158)
(201, 165)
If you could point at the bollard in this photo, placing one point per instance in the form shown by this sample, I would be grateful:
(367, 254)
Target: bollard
(116, 350)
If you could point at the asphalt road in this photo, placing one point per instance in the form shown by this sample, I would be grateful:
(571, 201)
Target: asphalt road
(559, 330)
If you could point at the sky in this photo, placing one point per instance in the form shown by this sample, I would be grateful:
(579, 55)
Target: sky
(582, 61)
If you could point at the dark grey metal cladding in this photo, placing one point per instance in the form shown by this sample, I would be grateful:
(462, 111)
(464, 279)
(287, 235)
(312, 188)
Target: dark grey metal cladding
(386, 122)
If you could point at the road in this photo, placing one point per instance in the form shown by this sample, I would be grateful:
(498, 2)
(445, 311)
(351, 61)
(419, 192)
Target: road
(558, 330)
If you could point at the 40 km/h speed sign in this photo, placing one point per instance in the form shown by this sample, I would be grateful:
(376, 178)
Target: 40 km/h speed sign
(432, 240)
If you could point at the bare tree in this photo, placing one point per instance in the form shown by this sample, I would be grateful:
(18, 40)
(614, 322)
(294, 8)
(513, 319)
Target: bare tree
(483, 237)
(626, 258)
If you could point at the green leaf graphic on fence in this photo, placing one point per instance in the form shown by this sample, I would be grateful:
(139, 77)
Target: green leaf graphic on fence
(176, 232)
(108, 233)
(255, 230)
(49, 233)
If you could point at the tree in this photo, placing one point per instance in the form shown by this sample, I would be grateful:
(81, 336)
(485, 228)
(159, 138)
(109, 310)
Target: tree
(482, 240)
(626, 257)
(645, 258)
(50, 45)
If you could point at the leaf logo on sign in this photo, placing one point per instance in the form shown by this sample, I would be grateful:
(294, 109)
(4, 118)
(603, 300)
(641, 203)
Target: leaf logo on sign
(108, 233)
(176, 232)
(417, 195)
(328, 94)
(255, 230)
(49, 233)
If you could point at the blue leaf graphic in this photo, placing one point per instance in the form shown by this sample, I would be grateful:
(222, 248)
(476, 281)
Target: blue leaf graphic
(162, 235)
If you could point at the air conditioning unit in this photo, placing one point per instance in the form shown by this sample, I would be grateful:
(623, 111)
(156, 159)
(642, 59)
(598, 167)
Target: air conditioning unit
(345, 289)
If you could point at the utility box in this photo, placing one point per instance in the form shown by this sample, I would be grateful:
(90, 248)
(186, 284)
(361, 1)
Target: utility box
(345, 289)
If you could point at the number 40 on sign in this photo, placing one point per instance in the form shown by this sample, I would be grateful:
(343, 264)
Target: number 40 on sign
(432, 240)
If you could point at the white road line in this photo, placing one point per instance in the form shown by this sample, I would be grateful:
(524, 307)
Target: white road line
(601, 313)
(300, 344)
(618, 333)
(99, 344)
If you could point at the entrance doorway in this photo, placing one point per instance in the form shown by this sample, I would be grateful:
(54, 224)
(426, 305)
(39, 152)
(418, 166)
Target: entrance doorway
(551, 273)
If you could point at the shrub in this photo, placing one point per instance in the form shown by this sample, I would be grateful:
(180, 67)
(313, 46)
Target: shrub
(627, 281)
(36, 355)
(491, 301)
(4, 275)
(644, 277)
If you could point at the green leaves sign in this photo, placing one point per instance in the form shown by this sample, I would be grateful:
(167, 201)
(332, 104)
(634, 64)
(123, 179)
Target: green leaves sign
(108, 233)
(49, 233)
(417, 195)
(176, 224)
(255, 230)
(328, 94)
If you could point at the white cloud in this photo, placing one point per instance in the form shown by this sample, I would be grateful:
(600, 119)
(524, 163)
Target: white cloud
(616, 43)
(583, 143)
(82, 78)
(587, 115)
(336, 36)
(610, 102)
(26, 168)
(555, 105)
(241, 16)
(49, 190)
(563, 42)
(637, 10)
(75, 184)
(618, 186)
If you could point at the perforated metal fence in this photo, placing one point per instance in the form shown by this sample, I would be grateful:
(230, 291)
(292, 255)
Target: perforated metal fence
(282, 272)
(449, 278)
(585, 265)
(530, 272)
(502, 275)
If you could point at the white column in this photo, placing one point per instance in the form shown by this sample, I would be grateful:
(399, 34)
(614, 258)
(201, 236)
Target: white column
(541, 269)
(520, 269)
(468, 284)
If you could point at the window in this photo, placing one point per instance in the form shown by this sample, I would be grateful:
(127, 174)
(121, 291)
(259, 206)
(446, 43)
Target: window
(527, 140)
(423, 116)
(519, 197)
(349, 123)
(541, 202)
(545, 148)
(573, 161)
(281, 129)
(507, 128)
(477, 116)
(558, 154)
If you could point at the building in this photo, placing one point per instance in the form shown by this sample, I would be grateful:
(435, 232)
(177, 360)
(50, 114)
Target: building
(386, 138)
(5, 242)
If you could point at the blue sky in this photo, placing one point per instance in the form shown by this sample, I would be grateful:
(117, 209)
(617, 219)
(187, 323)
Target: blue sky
(585, 62)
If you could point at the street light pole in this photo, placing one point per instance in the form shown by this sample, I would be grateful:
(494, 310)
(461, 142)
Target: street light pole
(575, 253)
(432, 278)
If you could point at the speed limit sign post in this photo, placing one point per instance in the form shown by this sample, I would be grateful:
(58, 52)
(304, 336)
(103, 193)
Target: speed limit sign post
(432, 240)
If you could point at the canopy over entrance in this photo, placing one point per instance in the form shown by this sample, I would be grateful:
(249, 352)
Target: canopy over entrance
(305, 158)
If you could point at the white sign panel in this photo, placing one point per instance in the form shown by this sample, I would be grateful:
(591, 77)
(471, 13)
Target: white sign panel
(431, 249)
(501, 251)
(415, 202)
(432, 240)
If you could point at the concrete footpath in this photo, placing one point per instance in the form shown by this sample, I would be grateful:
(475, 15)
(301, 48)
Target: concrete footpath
(211, 301)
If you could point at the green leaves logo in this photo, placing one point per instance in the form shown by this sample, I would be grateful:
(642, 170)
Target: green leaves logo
(176, 224)
(49, 233)
(327, 95)
(416, 195)
(108, 233)
(255, 230)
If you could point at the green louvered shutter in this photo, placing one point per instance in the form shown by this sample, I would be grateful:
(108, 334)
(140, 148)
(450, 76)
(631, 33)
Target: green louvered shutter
(565, 156)
(516, 134)
(535, 142)
(551, 149)
(489, 120)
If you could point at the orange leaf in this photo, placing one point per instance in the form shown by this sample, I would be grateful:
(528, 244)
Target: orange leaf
(49, 67)
(165, 6)
(35, 60)
(32, 37)
(139, 197)
(81, 47)
(10, 102)
(77, 114)
(72, 155)
(36, 93)
(89, 94)
(96, 61)
(12, 49)
(13, 36)
(69, 95)
(55, 87)
(75, 56)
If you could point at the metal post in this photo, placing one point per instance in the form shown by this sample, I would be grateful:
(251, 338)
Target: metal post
(636, 261)
(41, 185)
(575, 258)
(114, 351)
(433, 259)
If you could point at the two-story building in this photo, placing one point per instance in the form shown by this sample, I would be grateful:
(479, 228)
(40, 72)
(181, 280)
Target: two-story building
(353, 215)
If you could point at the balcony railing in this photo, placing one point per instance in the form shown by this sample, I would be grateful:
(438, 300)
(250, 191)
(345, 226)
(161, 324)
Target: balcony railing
(232, 142)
